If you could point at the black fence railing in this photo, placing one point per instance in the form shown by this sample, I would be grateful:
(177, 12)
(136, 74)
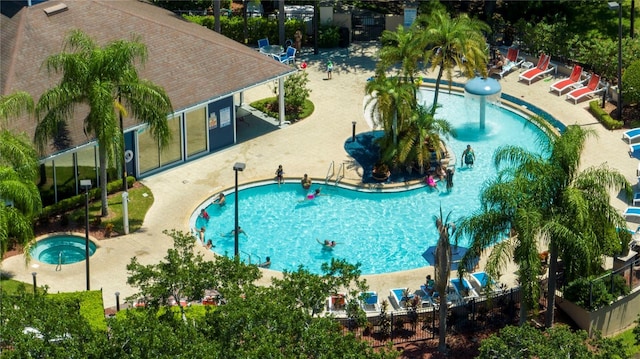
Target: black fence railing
(407, 326)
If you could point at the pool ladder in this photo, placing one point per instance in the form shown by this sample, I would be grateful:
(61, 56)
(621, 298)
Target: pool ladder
(59, 266)
(332, 172)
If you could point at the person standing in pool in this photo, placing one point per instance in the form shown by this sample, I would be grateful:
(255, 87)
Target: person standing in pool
(468, 156)
(280, 175)
(449, 179)
(306, 182)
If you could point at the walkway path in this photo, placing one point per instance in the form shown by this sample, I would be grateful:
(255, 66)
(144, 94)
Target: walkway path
(306, 147)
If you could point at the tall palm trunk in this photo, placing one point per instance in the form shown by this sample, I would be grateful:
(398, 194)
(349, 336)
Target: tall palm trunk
(551, 289)
(102, 152)
(437, 90)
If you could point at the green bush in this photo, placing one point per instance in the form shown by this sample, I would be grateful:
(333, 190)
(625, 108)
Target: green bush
(90, 305)
(631, 83)
(329, 36)
(77, 201)
(578, 293)
(603, 117)
(257, 27)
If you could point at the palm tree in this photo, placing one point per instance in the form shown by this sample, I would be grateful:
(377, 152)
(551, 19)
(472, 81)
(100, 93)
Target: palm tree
(422, 137)
(539, 199)
(451, 43)
(442, 270)
(394, 102)
(402, 47)
(19, 197)
(106, 80)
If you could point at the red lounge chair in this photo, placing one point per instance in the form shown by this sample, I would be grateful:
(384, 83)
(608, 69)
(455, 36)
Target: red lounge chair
(512, 62)
(543, 68)
(593, 87)
(575, 80)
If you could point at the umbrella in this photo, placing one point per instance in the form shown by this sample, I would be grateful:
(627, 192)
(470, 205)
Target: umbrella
(457, 252)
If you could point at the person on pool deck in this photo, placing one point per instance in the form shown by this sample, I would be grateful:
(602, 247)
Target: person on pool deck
(306, 182)
(266, 263)
(468, 156)
(280, 175)
(429, 285)
(204, 214)
(221, 200)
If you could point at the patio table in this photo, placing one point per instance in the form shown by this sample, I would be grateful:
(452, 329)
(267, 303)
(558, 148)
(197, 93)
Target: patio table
(272, 50)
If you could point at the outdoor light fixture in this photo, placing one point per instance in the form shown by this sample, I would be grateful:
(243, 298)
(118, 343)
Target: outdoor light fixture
(238, 167)
(353, 131)
(614, 5)
(86, 185)
(35, 286)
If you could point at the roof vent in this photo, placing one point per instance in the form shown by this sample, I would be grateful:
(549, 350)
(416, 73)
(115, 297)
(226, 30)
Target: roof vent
(55, 9)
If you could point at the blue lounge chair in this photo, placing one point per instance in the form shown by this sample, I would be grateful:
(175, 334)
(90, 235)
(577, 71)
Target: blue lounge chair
(289, 56)
(633, 149)
(369, 301)
(463, 288)
(632, 214)
(263, 42)
(631, 135)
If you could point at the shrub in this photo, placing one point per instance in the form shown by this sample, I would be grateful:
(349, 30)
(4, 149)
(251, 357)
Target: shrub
(329, 36)
(578, 293)
(631, 83)
(603, 117)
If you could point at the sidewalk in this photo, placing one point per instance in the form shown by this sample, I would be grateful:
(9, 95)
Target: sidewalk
(305, 147)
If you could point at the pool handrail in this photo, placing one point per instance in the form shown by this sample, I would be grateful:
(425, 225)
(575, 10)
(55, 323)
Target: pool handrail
(340, 174)
(330, 172)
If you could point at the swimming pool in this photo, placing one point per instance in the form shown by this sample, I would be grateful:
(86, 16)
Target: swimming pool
(385, 232)
(62, 249)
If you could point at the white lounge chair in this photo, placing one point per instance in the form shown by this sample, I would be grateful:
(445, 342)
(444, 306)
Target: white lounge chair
(632, 149)
(369, 301)
(593, 88)
(544, 67)
(632, 214)
(574, 80)
(396, 295)
(512, 61)
(631, 135)
(483, 284)
(337, 303)
(636, 198)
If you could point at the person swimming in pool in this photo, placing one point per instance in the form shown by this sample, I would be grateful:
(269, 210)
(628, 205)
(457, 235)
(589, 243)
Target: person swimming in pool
(468, 156)
(327, 244)
(221, 200)
(233, 232)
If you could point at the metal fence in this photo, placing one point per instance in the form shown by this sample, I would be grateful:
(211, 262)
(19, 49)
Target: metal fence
(629, 272)
(420, 324)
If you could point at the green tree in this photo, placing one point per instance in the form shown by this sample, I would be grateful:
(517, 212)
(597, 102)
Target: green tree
(296, 93)
(442, 270)
(631, 81)
(19, 197)
(106, 80)
(403, 47)
(540, 198)
(453, 42)
(44, 326)
(422, 137)
(393, 103)
(554, 343)
(182, 275)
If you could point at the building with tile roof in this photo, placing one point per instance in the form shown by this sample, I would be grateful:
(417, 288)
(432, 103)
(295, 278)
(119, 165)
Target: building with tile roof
(203, 72)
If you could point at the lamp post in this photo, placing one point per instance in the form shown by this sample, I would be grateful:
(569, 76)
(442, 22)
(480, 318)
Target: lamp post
(35, 286)
(353, 131)
(614, 5)
(117, 301)
(238, 167)
(86, 184)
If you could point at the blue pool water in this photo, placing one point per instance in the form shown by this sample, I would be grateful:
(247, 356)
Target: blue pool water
(64, 248)
(385, 232)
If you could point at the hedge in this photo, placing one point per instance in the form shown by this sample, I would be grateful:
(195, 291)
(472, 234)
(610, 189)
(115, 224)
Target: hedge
(77, 201)
(603, 117)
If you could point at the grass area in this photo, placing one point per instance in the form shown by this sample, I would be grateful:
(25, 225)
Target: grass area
(140, 200)
(629, 341)
(262, 105)
(11, 286)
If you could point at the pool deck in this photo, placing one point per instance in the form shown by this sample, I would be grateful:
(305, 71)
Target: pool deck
(306, 147)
